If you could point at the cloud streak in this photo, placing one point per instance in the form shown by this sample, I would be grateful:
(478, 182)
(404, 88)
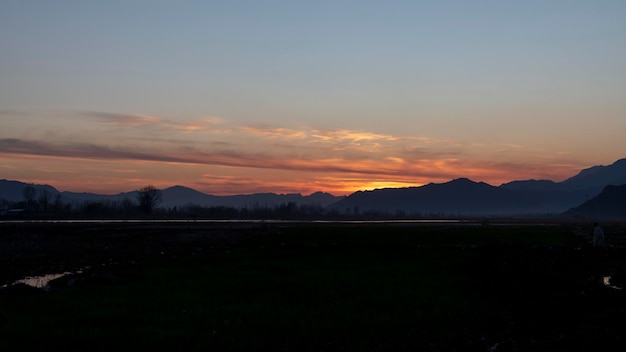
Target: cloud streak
(348, 157)
(77, 150)
(393, 169)
(123, 120)
(150, 122)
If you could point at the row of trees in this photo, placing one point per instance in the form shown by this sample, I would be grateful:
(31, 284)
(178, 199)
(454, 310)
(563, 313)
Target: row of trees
(44, 203)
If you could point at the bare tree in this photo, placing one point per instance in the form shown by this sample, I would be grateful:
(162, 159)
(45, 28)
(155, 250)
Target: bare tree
(148, 197)
(58, 202)
(29, 194)
(44, 199)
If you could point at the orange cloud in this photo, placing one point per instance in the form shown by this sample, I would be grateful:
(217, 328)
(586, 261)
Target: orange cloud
(273, 132)
(338, 160)
(211, 124)
(122, 119)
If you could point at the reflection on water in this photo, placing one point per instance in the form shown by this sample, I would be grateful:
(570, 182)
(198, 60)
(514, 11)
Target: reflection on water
(606, 280)
(41, 281)
(235, 221)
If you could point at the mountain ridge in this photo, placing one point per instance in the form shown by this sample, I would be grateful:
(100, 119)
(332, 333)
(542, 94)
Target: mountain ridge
(460, 196)
(609, 204)
(174, 196)
(466, 197)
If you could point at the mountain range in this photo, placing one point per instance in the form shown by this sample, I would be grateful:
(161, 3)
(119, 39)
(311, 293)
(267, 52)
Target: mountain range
(610, 204)
(175, 196)
(468, 198)
(459, 197)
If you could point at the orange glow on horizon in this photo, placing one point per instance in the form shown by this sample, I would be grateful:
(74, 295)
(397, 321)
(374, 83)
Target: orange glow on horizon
(336, 176)
(215, 157)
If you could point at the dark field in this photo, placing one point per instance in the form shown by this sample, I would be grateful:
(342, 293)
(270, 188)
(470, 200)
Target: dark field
(312, 287)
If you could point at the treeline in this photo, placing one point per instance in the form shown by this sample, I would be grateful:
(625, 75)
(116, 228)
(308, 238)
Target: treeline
(131, 209)
(45, 205)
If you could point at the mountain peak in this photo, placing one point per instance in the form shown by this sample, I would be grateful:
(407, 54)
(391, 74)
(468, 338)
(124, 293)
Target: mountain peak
(599, 176)
(179, 188)
(620, 162)
(607, 205)
(462, 180)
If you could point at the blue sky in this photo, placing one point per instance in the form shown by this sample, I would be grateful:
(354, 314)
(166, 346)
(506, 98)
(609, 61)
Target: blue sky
(486, 89)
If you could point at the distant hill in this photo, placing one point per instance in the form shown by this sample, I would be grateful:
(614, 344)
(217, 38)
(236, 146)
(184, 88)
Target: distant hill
(468, 198)
(175, 196)
(458, 197)
(533, 185)
(589, 181)
(180, 196)
(598, 177)
(14, 190)
(74, 197)
(610, 204)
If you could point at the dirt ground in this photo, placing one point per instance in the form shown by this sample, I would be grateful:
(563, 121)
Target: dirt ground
(542, 288)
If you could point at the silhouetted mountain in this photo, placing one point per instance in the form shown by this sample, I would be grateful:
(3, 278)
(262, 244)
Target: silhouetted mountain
(554, 196)
(458, 197)
(597, 177)
(74, 197)
(610, 204)
(533, 185)
(588, 182)
(268, 200)
(322, 198)
(465, 197)
(13, 191)
(180, 196)
(175, 196)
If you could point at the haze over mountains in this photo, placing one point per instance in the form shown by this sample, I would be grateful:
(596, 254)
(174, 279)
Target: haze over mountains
(610, 204)
(175, 196)
(465, 197)
(460, 197)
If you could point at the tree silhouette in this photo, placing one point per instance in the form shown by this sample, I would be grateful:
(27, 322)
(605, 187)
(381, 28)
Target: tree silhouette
(44, 200)
(148, 197)
(29, 194)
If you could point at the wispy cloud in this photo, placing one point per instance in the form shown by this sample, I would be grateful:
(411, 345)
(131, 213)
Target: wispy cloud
(390, 168)
(54, 170)
(351, 135)
(122, 119)
(348, 157)
(316, 134)
(153, 122)
(78, 150)
(212, 124)
(274, 132)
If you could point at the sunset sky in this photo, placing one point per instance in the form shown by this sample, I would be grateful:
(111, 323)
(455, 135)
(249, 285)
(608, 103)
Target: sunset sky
(232, 97)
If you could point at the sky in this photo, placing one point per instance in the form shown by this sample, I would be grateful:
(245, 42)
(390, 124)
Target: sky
(239, 97)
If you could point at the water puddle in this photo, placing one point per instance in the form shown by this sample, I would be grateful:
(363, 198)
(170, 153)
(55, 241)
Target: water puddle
(40, 281)
(606, 280)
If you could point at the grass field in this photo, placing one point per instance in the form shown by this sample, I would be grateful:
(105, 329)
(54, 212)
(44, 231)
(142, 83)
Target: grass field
(323, 287)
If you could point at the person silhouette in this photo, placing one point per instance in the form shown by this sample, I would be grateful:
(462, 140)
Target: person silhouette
(598, 235)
